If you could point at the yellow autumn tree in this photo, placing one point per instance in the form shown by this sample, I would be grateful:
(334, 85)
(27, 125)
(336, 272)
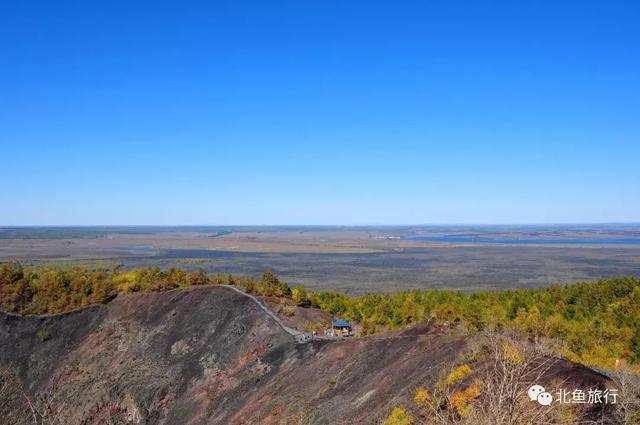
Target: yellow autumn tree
(461, 401)
(399, 416)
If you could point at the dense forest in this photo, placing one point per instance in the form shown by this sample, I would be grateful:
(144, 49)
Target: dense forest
(594, 322)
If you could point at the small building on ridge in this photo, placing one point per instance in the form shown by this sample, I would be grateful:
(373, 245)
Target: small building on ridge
(341, 328)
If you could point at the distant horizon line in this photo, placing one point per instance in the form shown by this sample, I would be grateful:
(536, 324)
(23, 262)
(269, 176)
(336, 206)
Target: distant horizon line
(586, 223)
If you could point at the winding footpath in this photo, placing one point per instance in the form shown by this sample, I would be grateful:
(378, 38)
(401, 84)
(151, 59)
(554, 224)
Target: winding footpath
(293, 332)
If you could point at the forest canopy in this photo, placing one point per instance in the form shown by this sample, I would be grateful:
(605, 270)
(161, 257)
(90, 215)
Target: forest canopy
(596, 322)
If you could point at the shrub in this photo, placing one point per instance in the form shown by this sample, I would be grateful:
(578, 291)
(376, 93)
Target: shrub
(398, 416)
(270, 285)
(299, 296)
(286, 309)
(511, 353)
(461, 400)
(314, 327)
(198, 278)
(457, 375)
(422, 396)
(43, 335)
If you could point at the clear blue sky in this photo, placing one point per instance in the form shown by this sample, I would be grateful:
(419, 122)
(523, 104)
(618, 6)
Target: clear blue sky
(319, 112)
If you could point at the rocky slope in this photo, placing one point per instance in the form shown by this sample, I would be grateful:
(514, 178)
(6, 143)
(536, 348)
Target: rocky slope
(210, 355)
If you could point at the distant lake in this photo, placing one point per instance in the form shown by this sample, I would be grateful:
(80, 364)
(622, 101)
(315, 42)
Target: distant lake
(141, 250)
(477, 239)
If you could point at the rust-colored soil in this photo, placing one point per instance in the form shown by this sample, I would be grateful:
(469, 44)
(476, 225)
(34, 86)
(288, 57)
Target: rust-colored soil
(211, 356)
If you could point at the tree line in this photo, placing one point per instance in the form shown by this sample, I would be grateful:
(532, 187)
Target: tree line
(596, 322)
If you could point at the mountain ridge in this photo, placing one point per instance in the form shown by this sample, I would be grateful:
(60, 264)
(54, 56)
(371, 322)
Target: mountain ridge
(212, 355)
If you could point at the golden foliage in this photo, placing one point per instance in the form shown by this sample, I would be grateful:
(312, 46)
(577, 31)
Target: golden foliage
(511, 352)
(458, 374)
(461, 401)
(399, 416)
(422, 396)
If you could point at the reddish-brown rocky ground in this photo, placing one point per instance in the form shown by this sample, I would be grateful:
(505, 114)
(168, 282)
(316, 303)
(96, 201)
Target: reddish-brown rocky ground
(211, 356)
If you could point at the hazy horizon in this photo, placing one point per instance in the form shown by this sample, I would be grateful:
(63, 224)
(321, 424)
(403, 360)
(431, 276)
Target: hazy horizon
(515, 224)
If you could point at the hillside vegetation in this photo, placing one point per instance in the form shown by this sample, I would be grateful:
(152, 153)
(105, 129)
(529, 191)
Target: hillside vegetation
(595, 322)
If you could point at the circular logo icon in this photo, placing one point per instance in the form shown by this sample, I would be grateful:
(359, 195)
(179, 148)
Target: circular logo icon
(535, 391)
(545, 399)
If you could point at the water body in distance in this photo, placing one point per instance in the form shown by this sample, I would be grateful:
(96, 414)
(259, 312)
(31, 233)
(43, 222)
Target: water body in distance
(473, 239)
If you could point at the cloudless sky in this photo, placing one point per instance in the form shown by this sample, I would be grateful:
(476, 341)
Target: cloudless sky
(319, 112)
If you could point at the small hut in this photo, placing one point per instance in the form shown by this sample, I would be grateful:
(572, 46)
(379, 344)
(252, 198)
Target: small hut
(341, 328)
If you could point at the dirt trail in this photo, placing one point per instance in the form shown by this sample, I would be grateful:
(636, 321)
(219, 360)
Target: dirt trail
(290, 331)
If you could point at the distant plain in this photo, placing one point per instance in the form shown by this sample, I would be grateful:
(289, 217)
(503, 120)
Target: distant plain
(351, 259)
